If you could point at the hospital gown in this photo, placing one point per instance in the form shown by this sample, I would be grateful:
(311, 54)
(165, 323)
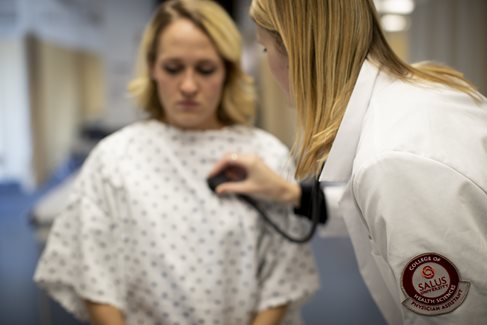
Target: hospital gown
(143, 232)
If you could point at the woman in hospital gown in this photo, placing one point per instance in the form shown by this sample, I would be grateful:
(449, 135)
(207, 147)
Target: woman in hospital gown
(142, 234)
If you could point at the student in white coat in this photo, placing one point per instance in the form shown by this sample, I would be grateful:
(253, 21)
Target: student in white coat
(408, 142)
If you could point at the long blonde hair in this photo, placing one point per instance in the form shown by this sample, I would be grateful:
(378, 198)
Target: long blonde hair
(238, 97)
(326, 43)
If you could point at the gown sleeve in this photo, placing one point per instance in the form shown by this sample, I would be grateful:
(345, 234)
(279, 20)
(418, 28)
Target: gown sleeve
(288, 273)
(420, 210)
(82, 259)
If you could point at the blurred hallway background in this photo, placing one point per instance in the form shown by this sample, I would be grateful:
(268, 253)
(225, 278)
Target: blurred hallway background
(64, 67)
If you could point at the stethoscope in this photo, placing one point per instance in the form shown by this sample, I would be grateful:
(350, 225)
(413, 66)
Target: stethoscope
(316, 209)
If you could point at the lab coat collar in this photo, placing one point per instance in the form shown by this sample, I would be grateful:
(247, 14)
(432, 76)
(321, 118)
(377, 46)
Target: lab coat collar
(338, 167)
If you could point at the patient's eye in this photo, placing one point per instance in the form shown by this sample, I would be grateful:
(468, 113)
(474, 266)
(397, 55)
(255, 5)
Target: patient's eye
(206, 70)
(173, 68)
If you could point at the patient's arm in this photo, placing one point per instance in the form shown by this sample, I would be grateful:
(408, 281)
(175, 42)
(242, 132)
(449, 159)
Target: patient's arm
(271, 316)
(103, 314)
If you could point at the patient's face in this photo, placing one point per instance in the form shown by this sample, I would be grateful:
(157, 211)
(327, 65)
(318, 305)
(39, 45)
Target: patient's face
(189, 73)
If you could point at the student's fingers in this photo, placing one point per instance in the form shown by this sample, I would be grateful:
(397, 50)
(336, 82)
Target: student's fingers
(231, 159)
(242, 187)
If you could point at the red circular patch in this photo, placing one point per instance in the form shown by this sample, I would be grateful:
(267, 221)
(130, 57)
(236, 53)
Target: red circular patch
(430, 279)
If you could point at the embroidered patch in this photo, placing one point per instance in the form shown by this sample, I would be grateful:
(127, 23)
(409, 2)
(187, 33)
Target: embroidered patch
(432, 284)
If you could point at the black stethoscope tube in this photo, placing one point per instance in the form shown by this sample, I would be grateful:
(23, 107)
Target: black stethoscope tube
(316, 209)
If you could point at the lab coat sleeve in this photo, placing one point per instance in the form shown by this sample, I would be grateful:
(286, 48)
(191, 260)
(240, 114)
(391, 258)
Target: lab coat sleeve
(412, 205)
(335, 224)
(82, 259)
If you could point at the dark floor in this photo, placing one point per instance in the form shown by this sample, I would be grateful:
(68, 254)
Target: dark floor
(21, 303)
(343, 299)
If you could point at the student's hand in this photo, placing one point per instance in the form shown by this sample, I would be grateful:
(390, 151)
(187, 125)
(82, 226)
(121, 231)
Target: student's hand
(258, 181)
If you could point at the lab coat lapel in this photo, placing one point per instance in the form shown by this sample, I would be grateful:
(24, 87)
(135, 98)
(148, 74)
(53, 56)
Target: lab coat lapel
(338, 168)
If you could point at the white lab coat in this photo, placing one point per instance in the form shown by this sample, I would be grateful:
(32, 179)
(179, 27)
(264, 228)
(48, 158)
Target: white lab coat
(414, 160)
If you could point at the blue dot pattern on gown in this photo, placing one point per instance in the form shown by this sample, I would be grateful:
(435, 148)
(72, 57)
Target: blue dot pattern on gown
(143, 232)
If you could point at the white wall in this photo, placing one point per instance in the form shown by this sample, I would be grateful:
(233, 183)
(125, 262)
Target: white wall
(15, 144)
(108, 28)
(453, 32)
(124, 24)
(9, 18)
(72, 23)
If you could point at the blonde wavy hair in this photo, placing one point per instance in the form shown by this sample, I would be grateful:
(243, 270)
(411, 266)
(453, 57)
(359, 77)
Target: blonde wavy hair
(238, 96)
(326, 43)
